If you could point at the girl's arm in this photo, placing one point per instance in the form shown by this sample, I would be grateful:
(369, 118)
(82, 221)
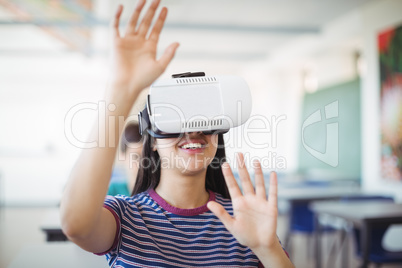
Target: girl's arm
(255, 218)
(134, 67)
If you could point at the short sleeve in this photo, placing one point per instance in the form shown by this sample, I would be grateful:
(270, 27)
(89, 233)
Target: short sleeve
(117, 206)
(116, 203)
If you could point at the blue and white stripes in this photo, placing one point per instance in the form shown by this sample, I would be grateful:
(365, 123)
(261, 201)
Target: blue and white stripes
(154, 234)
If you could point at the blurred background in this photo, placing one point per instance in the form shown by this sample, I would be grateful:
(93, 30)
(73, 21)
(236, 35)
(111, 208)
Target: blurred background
(313, 68)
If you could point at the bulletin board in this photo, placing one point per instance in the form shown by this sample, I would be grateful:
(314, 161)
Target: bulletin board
(390, 61)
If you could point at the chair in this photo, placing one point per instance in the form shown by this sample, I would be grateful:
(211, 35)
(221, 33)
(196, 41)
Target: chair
(301, 218)
(378, 254)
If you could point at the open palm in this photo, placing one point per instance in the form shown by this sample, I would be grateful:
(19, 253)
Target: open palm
(134, 54)
(255, 218)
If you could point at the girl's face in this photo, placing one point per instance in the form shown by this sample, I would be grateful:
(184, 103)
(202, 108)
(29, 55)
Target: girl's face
(190, 154)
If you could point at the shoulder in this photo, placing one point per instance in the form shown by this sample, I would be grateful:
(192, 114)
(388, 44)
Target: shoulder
(120, 203)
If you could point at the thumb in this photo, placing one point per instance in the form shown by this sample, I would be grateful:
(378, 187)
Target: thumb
(221, 213)
(168, 55)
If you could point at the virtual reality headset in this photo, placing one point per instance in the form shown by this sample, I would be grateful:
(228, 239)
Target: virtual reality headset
(193, 102)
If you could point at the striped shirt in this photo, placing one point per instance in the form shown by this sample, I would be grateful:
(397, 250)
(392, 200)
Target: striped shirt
(152, 233)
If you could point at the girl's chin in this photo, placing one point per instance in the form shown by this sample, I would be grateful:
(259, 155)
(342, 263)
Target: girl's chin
(190, 164)
(192, 170)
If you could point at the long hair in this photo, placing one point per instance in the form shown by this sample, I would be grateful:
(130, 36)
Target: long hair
(149, 172)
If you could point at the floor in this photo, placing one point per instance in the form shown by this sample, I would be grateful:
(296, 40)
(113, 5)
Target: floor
(20, 226)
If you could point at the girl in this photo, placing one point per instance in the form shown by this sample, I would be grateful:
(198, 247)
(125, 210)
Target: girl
(180, 214)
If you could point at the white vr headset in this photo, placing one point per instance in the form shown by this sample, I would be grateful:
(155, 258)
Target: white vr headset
(193, 102)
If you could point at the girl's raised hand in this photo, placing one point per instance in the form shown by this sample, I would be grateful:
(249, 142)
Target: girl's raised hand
(134, 63)
(255, 218)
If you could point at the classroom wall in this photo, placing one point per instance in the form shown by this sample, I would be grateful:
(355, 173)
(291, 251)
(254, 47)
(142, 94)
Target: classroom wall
(277, 81)
(324, 63)
(375, 18)
(36, 94)
(347, 36)
(335, 140)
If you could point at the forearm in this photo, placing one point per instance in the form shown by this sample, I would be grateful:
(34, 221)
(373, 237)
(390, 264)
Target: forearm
(273, 257)
(86, 189)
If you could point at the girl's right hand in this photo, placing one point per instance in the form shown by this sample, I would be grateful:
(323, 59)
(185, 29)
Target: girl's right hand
(134, 63)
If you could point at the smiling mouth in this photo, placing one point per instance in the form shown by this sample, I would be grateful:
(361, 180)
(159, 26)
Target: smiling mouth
(193, 146)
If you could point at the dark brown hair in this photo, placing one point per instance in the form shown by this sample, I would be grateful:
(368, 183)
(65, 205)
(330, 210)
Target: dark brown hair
(149, 173)
(131, 134)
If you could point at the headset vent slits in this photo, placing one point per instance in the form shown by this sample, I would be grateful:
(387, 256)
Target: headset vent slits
(193, 80)
(202, 123)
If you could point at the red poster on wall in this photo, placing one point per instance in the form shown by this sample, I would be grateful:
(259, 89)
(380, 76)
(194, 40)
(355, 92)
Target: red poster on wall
(390, 57)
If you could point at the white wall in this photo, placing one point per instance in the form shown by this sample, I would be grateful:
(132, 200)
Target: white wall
(36, 94)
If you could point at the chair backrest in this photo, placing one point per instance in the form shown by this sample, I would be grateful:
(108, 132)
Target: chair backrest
(302, 218)
(392, 238)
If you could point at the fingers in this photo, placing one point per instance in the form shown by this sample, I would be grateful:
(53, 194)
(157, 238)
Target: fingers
(168, 55)
(221, 213)
(132, 24)
(259, 180)
(231, 183)
(244, 176)
(273, 190)
(147, 20)
(116, 21)
(156, 30)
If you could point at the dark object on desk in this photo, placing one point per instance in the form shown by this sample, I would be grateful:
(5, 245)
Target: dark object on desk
(54, 234)
(364, 215)
(52, 227)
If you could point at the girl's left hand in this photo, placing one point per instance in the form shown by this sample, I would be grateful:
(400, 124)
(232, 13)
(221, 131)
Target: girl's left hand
(255, 218)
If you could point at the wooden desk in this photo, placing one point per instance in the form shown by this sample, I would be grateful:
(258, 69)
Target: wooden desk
(57, 254)
(364, 215)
